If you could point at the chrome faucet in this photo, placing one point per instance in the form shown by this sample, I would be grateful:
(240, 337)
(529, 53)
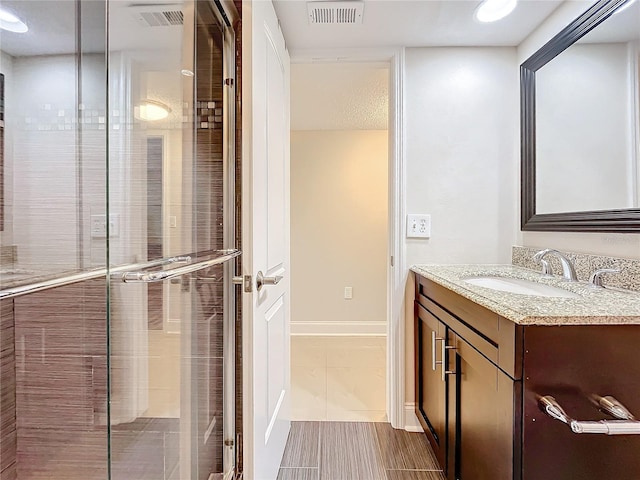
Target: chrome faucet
(568, 271)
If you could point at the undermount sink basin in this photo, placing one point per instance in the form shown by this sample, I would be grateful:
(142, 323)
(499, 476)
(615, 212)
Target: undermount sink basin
(520, 286)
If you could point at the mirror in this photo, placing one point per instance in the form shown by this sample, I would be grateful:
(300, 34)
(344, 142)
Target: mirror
(580, 124)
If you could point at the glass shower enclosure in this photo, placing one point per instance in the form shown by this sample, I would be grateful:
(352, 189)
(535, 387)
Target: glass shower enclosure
(117, 240)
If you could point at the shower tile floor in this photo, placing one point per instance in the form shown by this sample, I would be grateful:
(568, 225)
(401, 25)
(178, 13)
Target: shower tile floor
(356, 451)
(338, 378)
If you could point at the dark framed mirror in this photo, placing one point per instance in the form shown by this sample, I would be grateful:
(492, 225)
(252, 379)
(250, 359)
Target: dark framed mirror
(580, 125)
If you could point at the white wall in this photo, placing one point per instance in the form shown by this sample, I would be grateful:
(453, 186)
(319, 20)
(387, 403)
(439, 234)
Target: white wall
(461, 153)
(461, 117)
(339, 195)
(620, 245)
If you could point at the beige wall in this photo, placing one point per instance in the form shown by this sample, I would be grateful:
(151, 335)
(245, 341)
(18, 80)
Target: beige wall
(338, 230)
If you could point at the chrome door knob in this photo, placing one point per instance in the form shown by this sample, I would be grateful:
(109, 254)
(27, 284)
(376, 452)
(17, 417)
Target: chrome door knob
(261, 280)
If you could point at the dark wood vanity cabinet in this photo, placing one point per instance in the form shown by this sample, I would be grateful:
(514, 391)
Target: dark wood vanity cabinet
(466, 403)
(431, 401)
(483, 419)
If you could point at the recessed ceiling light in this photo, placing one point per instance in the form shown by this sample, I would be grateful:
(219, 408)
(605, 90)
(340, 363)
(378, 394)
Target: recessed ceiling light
(624, 6)
(492, 10)
(11, 23)
(151, 110)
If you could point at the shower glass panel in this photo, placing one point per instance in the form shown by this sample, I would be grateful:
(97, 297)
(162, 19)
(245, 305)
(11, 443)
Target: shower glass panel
(116, 164)
(168, 196)
(53, 343)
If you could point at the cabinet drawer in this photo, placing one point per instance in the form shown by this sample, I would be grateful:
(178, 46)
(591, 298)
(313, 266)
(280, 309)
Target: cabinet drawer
(482, 344)
(497, 338)
(484, 321)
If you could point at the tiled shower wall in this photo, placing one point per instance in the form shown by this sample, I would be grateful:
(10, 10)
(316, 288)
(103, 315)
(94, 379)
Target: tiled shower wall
(61, 378)
(585, 264)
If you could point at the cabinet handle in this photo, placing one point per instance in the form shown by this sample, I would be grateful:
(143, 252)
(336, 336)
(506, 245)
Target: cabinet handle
(551, 407)
(446, 347)
(434, 339)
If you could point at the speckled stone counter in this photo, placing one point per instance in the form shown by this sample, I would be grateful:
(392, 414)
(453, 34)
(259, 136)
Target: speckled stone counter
(591, 307)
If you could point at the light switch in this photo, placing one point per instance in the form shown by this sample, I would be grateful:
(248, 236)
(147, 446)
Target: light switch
(348, 293)
(99, 225)
(418, 226)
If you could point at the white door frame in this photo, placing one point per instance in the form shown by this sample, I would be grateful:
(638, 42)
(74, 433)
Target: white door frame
(400, 414)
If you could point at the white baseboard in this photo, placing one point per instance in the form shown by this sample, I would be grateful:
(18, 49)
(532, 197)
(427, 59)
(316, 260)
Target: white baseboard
(411, 423)
(374, 329)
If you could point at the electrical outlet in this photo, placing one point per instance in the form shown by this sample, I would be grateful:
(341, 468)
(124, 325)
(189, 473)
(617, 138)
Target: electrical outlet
(348, 293)
(418, 226)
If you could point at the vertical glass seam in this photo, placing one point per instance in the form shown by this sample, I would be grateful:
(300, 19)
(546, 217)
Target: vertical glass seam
(78, 140)
(108, 236)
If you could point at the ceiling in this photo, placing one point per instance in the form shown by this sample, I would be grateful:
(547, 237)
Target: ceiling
(52, 27)
(413, 23)
(386, 23)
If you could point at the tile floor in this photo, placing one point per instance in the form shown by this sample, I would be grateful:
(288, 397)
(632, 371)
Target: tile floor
(338, 378)
(356, 451)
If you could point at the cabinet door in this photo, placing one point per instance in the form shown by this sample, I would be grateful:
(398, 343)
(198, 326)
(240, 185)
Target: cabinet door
(481, 420)
(430, 389)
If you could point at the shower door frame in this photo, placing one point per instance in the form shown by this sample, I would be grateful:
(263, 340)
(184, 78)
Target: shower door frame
(225, 14)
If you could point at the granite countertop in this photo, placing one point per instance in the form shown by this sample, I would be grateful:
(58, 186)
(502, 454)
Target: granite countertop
(591, 306)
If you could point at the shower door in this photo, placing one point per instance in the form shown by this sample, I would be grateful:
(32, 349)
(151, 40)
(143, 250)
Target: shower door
(171, 204)
(117, 312)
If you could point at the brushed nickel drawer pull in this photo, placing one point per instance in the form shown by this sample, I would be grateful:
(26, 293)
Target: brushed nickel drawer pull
(551, 407)
(434, 360)
(446, 347)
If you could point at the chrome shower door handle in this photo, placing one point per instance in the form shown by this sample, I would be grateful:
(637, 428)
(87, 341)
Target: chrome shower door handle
(261, 280)
(221, 256)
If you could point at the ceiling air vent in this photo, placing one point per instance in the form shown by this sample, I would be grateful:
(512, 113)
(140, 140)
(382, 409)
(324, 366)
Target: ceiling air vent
(335, 13)
(156, 16)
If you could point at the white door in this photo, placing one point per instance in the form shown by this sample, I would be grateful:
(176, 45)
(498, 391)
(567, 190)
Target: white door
(265, 240)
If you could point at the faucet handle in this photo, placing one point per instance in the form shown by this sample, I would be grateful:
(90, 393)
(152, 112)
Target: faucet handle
(546, 266)
(596, 277)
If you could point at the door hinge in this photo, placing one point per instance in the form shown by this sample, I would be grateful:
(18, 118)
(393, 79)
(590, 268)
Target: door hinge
(392, 260)
(228, 82)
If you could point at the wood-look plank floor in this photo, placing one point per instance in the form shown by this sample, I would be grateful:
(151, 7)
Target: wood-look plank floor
(356, 451)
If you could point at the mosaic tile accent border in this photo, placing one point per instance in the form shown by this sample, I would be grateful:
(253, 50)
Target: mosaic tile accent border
(585, 264)
(209, 115)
